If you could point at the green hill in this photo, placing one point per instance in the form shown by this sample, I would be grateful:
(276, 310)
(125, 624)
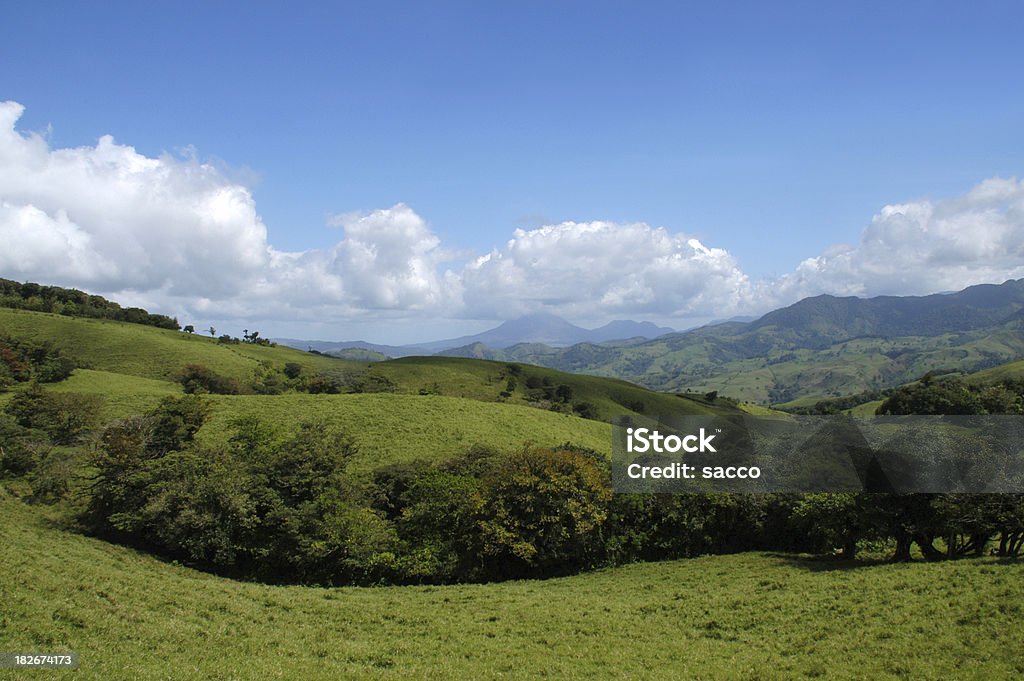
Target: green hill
(486, 381)
(819, 347)
(389, 428)
(417, 407)
(146, 352)
(149, 352)
(131, 616)
(1011, 371)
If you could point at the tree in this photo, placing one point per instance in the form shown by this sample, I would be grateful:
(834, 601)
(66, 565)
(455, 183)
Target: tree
(831, 520)
(189, 329)
(541, 512)
(212, 331)
(62, 416)
(196, 378)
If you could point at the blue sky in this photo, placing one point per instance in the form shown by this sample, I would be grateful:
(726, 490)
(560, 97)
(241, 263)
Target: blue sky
(771, 132)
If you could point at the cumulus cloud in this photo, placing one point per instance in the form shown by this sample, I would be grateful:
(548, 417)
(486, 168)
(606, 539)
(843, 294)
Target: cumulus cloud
(575, 268)
(922, 247)
(180, 236)
(390, 258)
(177, 232)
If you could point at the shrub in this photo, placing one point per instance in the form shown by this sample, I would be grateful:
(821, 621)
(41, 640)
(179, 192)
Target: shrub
(195, 378)
(62, 416)
(541, 511)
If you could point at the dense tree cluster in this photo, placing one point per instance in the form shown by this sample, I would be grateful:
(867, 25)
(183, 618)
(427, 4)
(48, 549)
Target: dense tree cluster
(951, 396)
(288, 507)
(74, 303)
(23, 360)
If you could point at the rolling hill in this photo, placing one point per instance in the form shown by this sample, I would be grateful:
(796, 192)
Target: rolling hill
(129, 615)
(546, 329)
(425, 407)
(819, 347)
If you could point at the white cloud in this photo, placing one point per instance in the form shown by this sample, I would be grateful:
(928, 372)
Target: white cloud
(109, 218)
(182, 237)
(576, 268)
(922, 247)
(390, 259)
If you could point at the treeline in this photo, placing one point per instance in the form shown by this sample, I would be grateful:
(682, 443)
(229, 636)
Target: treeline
(271, 379)
(837, 405)
(952, 396)
(932, 394)
(74, 303)
(287, 507)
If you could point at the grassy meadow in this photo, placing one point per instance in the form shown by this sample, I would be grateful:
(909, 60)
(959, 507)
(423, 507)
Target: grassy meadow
(147, 351)
(746, 616)
(390, 428)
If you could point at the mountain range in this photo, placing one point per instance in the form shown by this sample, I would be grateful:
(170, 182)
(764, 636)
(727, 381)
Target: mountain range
(547, 329)
(818, 347)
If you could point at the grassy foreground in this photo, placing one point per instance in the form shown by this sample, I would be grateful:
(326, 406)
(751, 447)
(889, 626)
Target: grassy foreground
(748, 616)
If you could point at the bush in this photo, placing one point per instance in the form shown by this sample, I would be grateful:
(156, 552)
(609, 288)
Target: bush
(19, 447)
(64, 417)
(195, 378)
(541, 512)
(25, 360)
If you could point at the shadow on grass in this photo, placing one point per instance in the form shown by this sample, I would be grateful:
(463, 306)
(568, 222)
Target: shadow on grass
(832, 564)
(826, 563)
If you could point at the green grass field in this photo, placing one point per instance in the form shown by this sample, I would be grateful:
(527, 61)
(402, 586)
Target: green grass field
(147, 351)
(123, 395)
(747, 616)
(390, 428)
(485, 380)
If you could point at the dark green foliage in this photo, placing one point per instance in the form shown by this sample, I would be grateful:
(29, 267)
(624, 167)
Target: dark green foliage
(195, 378)
(952, 396)
(292, 370)
(53, 473)
(64, 417)
(585, 410)
(541, 511)
(438, 523)
(269, 380)
(174, 423)
(19, 446)
(945, 397)
(490, 515)
(392, 483)
(23, 360)
(281, 511)
(349, 380)
(831, 520)
(75, 303)
(837, 405)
